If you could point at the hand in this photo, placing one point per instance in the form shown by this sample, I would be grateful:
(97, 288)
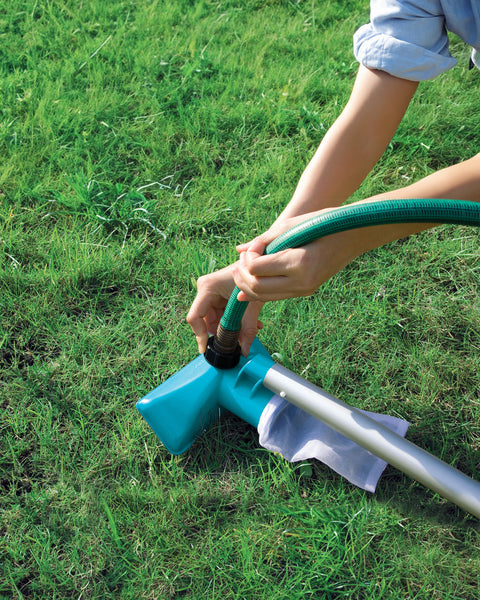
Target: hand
(213, 292)
(293, 272)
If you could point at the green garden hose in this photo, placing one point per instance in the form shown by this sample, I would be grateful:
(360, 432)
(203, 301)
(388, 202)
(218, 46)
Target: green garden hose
(354, 216)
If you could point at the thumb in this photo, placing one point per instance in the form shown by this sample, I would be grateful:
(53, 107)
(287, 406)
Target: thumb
(256, 245)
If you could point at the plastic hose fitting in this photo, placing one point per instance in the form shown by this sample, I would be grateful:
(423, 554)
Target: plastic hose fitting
(223, 350)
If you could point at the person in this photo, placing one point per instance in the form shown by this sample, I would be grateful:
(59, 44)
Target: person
(405, 42)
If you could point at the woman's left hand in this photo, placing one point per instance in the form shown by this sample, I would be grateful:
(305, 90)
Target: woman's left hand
(293, 272)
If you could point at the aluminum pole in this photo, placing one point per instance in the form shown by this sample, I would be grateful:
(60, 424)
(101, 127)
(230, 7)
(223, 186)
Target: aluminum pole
(419, 464)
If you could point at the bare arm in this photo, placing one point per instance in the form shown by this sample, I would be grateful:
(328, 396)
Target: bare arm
(354, 143)
(345, 156)
(301, 271)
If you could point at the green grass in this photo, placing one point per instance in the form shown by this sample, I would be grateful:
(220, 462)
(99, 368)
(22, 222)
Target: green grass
(139, 142)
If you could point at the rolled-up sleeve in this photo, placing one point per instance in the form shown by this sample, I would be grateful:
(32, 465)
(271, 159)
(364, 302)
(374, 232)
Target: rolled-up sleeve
(407, 39)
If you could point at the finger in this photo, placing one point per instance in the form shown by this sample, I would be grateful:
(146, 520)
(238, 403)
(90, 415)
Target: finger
(265, 280)
(250, 326)
(258, 245)
(243, 247)
(200, 330)
(199, 319)
(263, 289)
(212, 321)
(246, 339)
(242, 297)
(271, 265)
(263, 293)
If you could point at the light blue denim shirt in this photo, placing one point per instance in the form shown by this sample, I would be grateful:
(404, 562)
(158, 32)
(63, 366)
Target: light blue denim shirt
(408, 38)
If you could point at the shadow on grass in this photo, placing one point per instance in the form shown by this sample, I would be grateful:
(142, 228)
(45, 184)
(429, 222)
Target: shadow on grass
(231, 445)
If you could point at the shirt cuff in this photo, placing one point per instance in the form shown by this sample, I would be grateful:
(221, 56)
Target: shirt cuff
(399, 58)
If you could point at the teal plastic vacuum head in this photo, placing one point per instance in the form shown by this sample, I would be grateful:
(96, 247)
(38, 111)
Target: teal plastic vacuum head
(189, 402)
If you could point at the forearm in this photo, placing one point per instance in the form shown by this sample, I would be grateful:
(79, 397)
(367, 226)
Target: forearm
(354, 143)
(457, 182)
(300, 271)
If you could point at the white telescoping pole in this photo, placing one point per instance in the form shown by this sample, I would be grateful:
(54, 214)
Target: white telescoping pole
(422, 466)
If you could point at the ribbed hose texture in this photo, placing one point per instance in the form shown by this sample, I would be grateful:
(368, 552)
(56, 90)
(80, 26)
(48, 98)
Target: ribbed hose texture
(366, 214)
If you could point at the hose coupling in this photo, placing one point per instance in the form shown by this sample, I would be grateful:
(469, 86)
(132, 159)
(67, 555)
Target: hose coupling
(223, 350)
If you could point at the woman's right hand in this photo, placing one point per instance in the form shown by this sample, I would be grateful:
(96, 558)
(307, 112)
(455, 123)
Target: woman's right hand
(213, 293)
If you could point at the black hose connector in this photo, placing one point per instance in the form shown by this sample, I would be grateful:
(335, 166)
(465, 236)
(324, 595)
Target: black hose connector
(223, 350)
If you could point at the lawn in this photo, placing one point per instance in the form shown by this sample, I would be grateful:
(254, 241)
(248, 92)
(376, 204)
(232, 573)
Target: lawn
(140, 142)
